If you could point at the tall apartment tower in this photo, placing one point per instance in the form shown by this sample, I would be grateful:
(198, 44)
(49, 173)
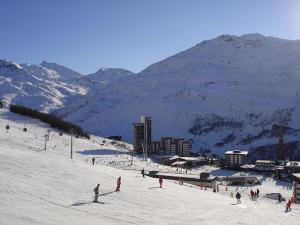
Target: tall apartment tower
(138, 137)
(147, 121)
(142, 133)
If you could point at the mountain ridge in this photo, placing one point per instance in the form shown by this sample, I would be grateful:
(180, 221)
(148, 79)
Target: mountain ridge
(223, 93)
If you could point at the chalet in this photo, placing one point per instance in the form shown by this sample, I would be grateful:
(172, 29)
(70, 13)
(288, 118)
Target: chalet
(265, 165)
(292, 167)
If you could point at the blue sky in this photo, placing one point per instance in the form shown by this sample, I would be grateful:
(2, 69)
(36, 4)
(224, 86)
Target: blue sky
(88, 34)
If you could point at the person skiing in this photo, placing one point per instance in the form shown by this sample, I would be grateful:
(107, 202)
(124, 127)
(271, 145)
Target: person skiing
(252, 194)
(143, 172)
(93, 160)
(160, 181)
(231, 195)
(238, 198)
(96, 190)
(288, 205)
(279, 198)
(118, 184)
(257, 193)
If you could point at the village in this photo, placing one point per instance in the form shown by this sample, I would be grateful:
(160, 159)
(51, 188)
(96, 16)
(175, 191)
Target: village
(176, 153)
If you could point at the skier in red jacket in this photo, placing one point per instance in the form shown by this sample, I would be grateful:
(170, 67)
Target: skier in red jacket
(160, 181)
(118, 184)
(288, 205)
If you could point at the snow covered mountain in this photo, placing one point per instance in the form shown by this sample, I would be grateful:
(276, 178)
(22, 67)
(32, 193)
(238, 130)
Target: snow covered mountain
(224, 93)
(109, 75)
(37, 86)
(49, 86)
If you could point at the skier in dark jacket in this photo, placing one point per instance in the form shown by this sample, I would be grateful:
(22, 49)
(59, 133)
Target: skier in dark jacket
(279, 198)
(96, 190)
(257, 193)
(143, 172)
(93, 160)
(252, 194)
(238, 198)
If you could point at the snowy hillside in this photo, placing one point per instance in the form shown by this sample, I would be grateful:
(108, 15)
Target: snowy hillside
(47, 187)
(50, 86)
(38, 86)
(224, 93)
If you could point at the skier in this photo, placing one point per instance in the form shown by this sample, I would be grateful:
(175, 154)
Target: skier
(238, 198)
(252, 194)
(279, 198)
(93, 160)
(96, 190)
(257, 193)
(143, 172)
(160, 181)
(231, 195)
(118, 184)
(293, 199)
(288, 205)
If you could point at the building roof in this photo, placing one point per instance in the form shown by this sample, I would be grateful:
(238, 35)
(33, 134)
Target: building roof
(264, 161)
(184, 158)
(236, 152)
(296, 176)
(293, 164)
(179, 163)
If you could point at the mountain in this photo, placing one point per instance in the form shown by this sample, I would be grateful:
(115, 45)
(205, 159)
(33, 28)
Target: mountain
(224, 93)
(49, 86)
(109, 75)
(36, 86)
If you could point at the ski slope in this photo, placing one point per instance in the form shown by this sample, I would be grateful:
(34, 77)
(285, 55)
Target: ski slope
(47, 187)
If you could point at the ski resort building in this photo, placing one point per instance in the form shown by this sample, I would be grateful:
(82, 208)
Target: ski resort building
(175, 146)
(138, 137)
(265, 165)
(236, 158)
(142, 134)
(292, 167)
(296, 178)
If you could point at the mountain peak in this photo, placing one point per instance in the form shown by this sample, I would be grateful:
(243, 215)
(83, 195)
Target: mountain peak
(10, 64)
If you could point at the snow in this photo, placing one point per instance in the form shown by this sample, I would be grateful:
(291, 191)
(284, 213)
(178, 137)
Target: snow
(47, 187)
(248, 81)
(236, 152)
(230, 88)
